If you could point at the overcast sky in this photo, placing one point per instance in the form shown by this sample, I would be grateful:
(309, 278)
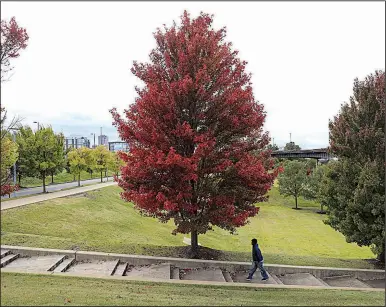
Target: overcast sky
(303, 58)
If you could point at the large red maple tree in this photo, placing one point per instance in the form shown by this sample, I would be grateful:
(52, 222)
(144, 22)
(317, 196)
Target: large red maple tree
(198, 152)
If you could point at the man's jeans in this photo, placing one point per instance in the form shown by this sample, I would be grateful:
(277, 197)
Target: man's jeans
(260, 265)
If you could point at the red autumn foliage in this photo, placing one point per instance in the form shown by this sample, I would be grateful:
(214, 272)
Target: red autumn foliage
(7, 189)
(198, 152)
(13, 39)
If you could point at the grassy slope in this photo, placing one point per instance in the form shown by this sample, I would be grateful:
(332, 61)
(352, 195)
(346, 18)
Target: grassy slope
(22, 289)
(103, 222)
(29, 182)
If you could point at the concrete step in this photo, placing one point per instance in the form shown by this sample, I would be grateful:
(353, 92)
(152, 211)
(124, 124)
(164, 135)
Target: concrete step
(55, 265)
(322, 282)
(115, 267)
(96, 267)
(227, 276)
(36, 263)
(345, 281)
(277, 279)
(161, 271)
(121, 269)
(8, 259)
(375, 283)
(175, 273)
(5, 252)
(64, 265)
(205, 274)
(304, 279)
(242, 277)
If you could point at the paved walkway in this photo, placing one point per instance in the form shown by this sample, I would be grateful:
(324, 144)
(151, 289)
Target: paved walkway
(39, 198)
(55, 187)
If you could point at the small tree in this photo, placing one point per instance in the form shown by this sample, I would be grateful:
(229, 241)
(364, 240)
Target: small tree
(9, 155)
(313, 186)
(101, 156)
(273, 147)
(292, 181)
(26, 164)
(58, 157)
(46, 144)
(9, 150)
(115, 163)
(79, 161)
(91, 162)
(291, 146)
(13, 39)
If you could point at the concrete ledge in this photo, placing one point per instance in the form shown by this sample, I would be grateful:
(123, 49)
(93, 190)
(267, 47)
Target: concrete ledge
(34, 251)
(183, 263)
(194, 282)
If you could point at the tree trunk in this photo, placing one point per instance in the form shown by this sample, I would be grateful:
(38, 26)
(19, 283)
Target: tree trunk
(44, 182)
(79, 180)
(91, 174)
(381, 256)
(52, 177)
(101, 176)
(296, 202)
(194, 243)
(19, 179)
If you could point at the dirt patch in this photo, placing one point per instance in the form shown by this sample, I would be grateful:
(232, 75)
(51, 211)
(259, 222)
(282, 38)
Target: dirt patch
(204, 253)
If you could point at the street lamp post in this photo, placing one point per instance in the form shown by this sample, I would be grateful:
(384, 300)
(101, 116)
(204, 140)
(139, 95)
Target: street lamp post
(14, 165)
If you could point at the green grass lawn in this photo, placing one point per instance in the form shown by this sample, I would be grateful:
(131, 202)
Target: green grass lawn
(38, 290)
(101, 221)
(63, 177)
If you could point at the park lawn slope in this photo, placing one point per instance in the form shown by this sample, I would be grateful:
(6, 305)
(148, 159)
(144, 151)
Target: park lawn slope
(50, 290)
(101, 221)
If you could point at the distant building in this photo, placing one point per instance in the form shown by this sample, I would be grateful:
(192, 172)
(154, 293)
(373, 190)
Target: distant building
(118, 146)
(76, 142)
(103, 140)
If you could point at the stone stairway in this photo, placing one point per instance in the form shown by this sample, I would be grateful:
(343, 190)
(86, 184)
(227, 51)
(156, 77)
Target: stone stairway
(178, 269)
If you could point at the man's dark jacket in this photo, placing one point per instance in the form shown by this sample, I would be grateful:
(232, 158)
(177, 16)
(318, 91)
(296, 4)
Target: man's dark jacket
(256, 253)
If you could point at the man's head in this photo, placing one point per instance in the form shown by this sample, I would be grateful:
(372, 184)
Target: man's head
(254, 241)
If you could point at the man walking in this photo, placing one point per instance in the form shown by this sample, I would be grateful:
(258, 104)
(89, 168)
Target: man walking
(258, 262)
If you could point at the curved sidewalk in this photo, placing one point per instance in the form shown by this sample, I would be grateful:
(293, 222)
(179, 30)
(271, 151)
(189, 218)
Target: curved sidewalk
(39, 198)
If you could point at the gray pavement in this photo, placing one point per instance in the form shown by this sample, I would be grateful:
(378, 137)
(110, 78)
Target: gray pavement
(54, 187)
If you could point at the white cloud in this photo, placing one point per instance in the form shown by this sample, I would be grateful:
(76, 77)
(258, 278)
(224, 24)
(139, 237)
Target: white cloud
(303, 57)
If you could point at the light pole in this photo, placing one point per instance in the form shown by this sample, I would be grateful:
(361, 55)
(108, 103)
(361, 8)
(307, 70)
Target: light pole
(38, 125)
(14, 164)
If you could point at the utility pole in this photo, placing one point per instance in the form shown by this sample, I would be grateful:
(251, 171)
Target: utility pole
(290, 137)
(14, 165)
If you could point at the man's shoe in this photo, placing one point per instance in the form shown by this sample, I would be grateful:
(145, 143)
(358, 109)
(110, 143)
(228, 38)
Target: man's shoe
(249, 278)
(265, 278)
